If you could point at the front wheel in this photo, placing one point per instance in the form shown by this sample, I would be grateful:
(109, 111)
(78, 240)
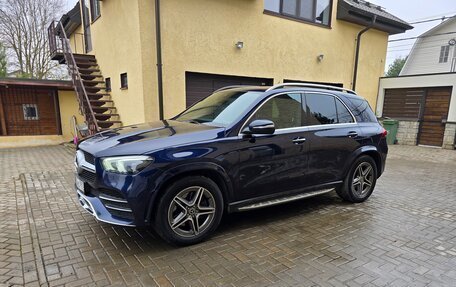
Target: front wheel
(360, 181)
(189, 211)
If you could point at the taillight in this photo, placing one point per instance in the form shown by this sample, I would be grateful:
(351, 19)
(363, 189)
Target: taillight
(384, 133)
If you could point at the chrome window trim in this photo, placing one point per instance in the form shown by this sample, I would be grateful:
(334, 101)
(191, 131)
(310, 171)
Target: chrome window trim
(304, 128)
(337, 98)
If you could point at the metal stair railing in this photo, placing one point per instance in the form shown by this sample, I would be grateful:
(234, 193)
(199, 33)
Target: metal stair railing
(84, 103)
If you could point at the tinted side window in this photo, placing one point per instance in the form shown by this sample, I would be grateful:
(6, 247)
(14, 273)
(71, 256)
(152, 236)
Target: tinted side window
(284, 110)
(362, 111)
(343, 115)
(320, 109)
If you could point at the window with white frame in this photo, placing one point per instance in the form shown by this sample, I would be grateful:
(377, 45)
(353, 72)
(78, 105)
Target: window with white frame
(30, 112)
(444, 54)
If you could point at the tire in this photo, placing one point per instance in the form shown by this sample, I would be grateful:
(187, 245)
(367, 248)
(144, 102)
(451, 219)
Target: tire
(189, 211)
(360, 180)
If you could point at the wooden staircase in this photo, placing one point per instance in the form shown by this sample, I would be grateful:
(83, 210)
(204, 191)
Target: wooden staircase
(95, 103)
(100, 101)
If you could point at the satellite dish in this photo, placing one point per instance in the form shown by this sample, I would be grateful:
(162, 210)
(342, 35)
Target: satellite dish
(452, 42)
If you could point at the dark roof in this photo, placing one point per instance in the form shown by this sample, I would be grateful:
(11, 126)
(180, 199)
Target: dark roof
(362, 12)
(61, 85)
(72, 19)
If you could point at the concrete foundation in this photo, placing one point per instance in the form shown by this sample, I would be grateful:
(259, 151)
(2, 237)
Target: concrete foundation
(448, 138)
(407, 132)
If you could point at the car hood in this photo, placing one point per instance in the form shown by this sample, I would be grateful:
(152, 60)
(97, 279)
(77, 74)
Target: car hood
(144, 138)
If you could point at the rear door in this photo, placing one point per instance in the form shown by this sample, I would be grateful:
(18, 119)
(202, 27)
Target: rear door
(332, 134)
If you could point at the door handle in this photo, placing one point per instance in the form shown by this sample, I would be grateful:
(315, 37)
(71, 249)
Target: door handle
(299, 140)
(352, 134)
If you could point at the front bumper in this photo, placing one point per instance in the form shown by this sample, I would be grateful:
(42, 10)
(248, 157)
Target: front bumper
(95, 207)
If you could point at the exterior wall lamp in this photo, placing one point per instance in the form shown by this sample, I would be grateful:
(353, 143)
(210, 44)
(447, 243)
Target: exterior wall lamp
(320, 57)
(240, 44)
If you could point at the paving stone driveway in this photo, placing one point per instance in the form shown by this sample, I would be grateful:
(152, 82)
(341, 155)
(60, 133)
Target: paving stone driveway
(404, 235)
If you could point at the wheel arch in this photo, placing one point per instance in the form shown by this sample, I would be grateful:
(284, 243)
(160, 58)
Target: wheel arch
(210, 170)
(371, 151)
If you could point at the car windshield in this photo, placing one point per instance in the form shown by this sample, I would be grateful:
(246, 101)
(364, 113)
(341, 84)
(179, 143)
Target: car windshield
(220, 109)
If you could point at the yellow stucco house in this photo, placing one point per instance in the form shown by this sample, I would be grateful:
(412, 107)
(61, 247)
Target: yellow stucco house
(151, 59)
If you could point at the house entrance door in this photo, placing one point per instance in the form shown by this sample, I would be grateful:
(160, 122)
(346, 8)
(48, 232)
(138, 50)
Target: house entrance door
(434, 116)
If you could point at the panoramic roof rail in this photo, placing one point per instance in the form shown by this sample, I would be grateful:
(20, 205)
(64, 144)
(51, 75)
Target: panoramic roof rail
(327, 87)
(230, 87)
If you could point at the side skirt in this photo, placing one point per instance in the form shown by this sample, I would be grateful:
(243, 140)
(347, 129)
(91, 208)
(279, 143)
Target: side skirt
(265, 202)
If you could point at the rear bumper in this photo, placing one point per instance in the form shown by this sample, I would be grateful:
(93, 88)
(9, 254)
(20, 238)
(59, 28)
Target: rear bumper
(95, 207)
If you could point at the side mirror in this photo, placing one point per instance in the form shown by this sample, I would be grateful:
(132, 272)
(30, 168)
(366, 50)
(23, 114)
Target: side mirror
(260, 127)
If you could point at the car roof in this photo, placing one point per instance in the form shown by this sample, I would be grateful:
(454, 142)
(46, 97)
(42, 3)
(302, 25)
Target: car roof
(327, 89)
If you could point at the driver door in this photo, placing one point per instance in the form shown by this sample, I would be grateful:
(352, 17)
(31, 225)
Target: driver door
(277, 163)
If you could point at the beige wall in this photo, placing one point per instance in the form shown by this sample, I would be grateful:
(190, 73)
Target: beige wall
(122, 44)
(69, 107)
(199, 36)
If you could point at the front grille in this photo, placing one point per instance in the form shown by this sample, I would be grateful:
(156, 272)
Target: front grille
(89, 158)
(88, 176)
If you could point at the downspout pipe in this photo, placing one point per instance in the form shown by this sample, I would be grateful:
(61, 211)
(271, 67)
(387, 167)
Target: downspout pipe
(159, 59)
(358, 46)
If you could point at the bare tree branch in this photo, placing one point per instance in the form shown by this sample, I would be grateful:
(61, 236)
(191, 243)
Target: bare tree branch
(23, 30)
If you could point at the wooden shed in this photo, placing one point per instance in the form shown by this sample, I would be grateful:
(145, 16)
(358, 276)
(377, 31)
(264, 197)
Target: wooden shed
(38, 109)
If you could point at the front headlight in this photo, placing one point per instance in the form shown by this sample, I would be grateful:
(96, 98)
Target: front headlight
(126, 164)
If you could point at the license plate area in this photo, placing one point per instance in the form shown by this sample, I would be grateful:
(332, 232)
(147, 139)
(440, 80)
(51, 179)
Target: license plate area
(80, 185)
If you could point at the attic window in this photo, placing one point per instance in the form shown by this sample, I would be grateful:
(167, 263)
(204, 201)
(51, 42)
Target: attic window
(444, 53)
(314, 11)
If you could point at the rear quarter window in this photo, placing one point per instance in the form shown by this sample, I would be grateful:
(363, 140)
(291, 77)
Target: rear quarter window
(362, 111)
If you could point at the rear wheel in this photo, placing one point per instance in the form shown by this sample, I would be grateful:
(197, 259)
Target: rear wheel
(189, 211)
(360, 181)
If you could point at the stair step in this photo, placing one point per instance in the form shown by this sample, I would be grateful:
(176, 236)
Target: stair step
(102, 109)
(85, 64)
(98, 94)
(95, 88)
(92, 83)
(98, 103)
(105, 117)
(86, 70)
(89, 77)
(84, 56)
(107, 124)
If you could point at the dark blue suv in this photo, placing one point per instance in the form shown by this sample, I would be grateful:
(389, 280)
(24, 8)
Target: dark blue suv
(239, 149)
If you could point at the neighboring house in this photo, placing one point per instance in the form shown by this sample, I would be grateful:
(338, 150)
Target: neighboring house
(434, 51)
(423, 97)
(36, 112)
(143, 68)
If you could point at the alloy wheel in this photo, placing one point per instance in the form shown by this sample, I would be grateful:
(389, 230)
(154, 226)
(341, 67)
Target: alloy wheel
(191, 211)
(363, 178)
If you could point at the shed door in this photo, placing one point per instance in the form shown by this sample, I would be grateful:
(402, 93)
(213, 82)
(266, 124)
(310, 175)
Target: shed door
(435, 114)
(199, 85)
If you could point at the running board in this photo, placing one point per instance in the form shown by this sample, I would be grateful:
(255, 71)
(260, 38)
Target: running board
(285, 199)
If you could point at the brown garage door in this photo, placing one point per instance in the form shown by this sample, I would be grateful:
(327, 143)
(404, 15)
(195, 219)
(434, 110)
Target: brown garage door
(435, 114)
(199, 85)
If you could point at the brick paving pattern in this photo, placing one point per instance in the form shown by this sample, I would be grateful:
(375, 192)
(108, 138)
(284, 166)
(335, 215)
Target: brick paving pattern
(404, 235)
